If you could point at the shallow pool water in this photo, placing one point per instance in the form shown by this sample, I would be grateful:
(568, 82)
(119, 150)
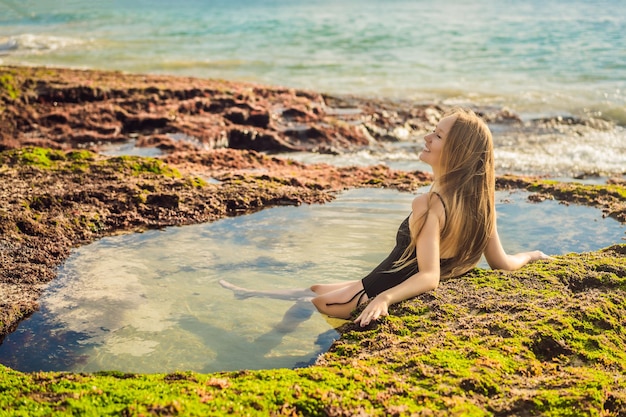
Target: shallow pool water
(151, 302)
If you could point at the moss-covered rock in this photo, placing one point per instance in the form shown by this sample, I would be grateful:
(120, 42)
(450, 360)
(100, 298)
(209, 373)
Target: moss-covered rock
(610, 198)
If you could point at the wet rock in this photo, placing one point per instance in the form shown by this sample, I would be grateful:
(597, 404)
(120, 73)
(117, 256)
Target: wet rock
(237, 116)
(169, 201)
(253, 140)
(259, 119)
(90, 108)
(53, 119)
(547, 348)
(298, 114)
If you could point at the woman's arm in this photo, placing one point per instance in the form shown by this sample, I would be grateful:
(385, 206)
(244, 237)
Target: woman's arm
(427, 247)
(497, 258)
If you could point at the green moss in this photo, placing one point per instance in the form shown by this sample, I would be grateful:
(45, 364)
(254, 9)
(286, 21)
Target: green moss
(8, 85)
(196, 182)
(582, 191)
(82, 160)
(611, 198)
(33, 156)
(80, 156)
(141, 165)
(140, 197)
(47, 158)
(93, 223)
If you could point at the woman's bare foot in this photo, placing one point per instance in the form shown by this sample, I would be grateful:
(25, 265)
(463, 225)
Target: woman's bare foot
(240, 293)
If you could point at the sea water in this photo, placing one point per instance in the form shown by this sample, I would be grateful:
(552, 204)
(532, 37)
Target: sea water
(539, 58)
(151, 302)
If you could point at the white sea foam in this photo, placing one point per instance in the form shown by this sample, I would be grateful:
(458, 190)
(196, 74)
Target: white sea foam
(566, 152)
(7, 45)
(522, 152)
(27, 43)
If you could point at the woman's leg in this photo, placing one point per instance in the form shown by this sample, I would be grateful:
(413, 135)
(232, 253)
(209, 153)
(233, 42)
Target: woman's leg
(291, 294)
(320, 289)
(297, 294)
(335, 300)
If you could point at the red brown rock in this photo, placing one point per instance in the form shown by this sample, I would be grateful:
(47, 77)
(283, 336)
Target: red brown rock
(64, 108)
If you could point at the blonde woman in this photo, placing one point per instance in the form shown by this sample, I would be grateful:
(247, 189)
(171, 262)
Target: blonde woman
(445, 235)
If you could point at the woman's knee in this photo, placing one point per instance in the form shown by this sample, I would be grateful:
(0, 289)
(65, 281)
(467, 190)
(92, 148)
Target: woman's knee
(319, 304)
(316, 287)
(322, 302)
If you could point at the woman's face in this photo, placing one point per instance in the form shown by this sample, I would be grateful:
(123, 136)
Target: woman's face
(435, 140)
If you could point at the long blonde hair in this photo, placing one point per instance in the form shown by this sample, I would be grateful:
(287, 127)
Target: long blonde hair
(467, 187)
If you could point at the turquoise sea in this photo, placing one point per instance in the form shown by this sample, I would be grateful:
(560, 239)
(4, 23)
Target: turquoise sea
(540, 58)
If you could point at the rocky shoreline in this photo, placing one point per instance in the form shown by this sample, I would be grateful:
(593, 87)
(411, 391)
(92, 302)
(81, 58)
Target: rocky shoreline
(62, 109)
(215, 141)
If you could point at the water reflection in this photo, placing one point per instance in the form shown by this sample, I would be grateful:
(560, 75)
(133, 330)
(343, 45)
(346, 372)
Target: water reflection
(151, 302)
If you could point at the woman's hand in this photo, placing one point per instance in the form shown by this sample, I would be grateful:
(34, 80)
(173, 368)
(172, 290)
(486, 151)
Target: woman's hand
(539, 256)
(376, 308)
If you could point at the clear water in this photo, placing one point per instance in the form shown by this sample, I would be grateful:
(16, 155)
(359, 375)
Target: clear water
(539, 58)
(151, 302)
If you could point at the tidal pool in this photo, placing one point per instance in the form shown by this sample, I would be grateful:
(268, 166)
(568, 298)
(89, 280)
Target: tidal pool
(151, 302)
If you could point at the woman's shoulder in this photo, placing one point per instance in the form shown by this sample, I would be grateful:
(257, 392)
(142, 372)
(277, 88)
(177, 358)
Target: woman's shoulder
(430, 201)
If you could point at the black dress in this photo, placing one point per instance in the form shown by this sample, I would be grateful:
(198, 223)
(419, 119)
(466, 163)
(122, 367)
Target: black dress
(382, 278)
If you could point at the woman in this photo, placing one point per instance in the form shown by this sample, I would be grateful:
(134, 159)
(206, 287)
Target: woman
(447, 232)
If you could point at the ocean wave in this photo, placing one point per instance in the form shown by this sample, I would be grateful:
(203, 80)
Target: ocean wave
(28, 43)
(9, 45)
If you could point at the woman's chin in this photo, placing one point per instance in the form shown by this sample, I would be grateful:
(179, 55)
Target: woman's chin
(425, 159)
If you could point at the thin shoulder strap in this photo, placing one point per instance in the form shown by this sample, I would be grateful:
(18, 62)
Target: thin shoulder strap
(445, 209)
